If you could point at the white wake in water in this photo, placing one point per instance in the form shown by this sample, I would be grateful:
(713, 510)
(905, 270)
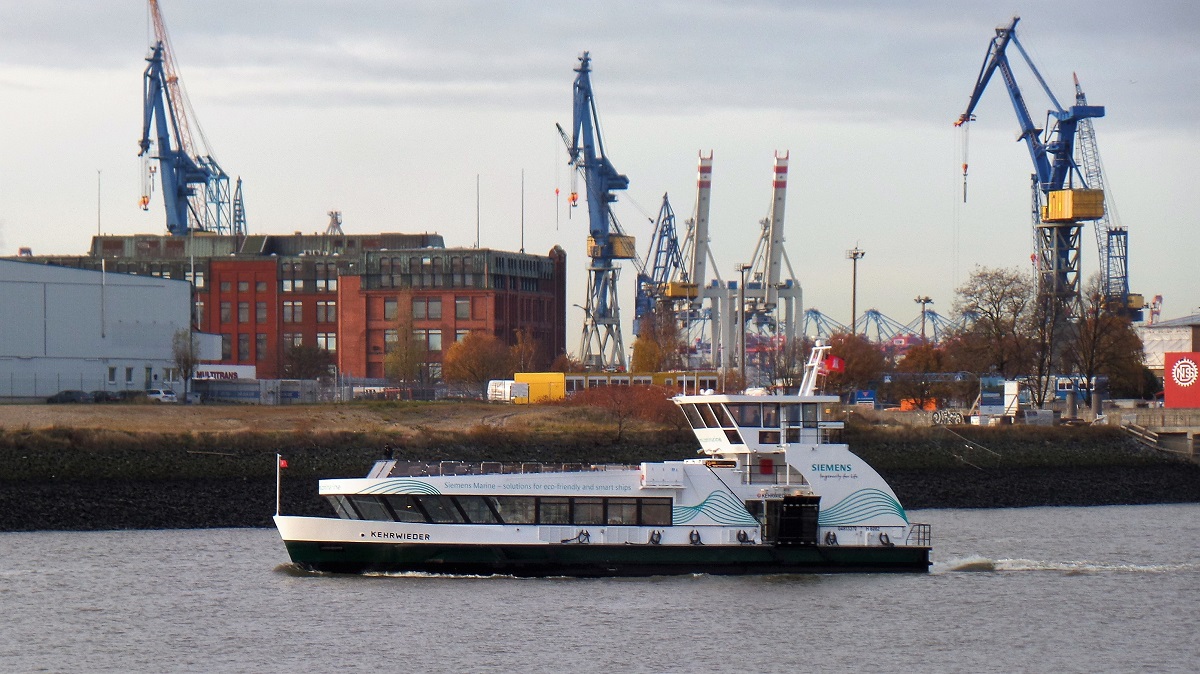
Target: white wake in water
(984, 564)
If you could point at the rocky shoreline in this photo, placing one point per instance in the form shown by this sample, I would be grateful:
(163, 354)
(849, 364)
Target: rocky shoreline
(98, 483)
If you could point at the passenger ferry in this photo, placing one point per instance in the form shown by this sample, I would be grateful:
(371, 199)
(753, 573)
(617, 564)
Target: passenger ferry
(773, 490)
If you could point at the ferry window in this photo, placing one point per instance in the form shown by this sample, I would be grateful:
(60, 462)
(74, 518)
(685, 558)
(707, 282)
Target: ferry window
(692, 415)
(768, 437)
(810, 415)
(709, 419)
(789, 414)
(554, 510)
(749, 414)
(517, 509)
(723, 416)
(370, 508)
(477, 510)
(793, 435)
(342, 508)
(770, 412)
(441, 509)
(405, 507)
(588, 510)
(733, 436)
(622, 511)
(656, 512)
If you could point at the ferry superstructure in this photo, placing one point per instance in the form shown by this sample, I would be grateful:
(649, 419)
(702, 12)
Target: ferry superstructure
(773, 490)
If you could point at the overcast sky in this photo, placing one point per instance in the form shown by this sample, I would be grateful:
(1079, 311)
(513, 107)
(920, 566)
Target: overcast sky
(388, 112)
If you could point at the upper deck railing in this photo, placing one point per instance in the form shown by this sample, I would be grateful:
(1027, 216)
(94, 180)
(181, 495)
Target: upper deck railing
(388, 468)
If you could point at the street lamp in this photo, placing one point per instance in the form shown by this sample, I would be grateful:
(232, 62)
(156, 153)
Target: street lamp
(923, 300)
(854, 255)
(742, 269)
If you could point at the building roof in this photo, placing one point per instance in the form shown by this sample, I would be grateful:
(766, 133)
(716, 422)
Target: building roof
(1184, 322)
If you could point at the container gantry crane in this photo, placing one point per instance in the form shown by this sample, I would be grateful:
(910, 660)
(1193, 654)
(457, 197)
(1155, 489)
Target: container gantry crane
(1060, 204)
(770, 301)
(601, 345)
(195, 188)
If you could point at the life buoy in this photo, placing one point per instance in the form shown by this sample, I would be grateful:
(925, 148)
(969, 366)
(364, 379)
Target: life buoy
(885, 540)
(830, 538)
(655, 537)
(694, 537)
(743, 537)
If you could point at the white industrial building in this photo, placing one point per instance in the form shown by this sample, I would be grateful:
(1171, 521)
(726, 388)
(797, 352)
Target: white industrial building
(1162, 337)
(65, 328)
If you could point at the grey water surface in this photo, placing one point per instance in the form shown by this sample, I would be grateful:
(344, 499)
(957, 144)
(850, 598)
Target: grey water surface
(1102, 589)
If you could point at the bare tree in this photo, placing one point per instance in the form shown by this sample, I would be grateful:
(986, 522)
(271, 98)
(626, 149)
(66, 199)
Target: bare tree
(1102, 343)
(1001, 302)
(527, 353)
(405, 359)
(658, 346)
(186, 356)
(476, 359)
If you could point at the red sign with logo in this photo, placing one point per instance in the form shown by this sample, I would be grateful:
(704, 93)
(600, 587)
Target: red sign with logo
(1181, 380)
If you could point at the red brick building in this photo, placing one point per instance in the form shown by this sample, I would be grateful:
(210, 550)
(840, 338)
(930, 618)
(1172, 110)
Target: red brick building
(357, 296)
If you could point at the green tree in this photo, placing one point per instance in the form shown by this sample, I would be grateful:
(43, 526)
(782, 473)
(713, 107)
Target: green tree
(306, 362)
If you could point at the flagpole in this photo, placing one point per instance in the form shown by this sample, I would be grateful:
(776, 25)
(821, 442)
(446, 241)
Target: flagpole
(278, 473)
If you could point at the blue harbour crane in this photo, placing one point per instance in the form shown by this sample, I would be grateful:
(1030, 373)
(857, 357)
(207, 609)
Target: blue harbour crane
(601, 345)
(1112, 238)
(195, 188)
(665, 263)
(1061, 198)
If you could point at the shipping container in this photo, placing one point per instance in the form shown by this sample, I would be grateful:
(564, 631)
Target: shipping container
(1070, 205)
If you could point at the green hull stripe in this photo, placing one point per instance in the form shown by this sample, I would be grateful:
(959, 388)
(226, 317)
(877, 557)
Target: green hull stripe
(718, 506)
(861, 506)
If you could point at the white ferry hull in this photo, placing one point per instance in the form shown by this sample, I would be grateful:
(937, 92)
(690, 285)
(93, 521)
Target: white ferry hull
(340, 546)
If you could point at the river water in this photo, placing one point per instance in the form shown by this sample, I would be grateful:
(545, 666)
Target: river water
(1107, 589)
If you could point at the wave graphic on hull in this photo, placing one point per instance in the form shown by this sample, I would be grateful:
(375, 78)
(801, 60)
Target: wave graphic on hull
(1071, 568)
(402, 487)
(861, 506)
(718, 506)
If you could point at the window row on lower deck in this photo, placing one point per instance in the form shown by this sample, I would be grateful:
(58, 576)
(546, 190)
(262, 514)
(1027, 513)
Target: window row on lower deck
(472, 509)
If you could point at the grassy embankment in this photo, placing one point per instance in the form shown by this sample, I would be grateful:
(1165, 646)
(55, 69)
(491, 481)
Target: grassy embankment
(87, 478)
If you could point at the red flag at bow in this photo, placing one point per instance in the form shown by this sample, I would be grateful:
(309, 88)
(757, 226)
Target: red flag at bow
(283, 463)
(835, 364)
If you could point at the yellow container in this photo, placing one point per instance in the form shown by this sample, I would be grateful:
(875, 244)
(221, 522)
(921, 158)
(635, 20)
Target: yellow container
(621, 245)
(679, 290)
(543, 386)
(1070, 205)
